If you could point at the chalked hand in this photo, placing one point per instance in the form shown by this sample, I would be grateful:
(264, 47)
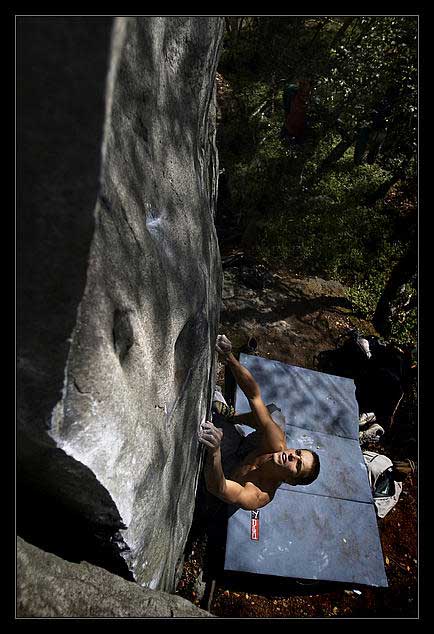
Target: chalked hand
(210, 436)
(223, 346)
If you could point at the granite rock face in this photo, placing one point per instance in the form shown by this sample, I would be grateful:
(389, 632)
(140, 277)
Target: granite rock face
(50, 587)
(119, 452)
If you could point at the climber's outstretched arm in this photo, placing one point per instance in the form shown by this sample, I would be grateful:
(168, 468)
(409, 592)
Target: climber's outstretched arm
(273, 436)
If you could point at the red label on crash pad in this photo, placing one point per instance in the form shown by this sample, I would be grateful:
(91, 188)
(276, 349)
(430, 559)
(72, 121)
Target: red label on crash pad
(254, 525)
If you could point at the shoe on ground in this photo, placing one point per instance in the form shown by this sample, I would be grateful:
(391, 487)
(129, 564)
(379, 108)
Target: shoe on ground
(372, 434)
(368, 417)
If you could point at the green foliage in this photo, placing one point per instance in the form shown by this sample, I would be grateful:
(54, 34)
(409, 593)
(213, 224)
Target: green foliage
(404, 326)
(319, 212)
(321, 237)
(364, 297)
(365, 292)
(346, 181)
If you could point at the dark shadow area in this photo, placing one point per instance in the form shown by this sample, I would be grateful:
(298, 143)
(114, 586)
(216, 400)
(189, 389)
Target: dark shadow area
(62, 65)
(381, 380)
(77, 523)
(270, 586)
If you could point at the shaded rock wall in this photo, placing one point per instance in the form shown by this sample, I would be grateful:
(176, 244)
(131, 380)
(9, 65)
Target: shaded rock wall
(49, 587)
(62, 66)
(118, 458)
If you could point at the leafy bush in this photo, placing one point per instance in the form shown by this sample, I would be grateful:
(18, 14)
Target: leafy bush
(319, 213)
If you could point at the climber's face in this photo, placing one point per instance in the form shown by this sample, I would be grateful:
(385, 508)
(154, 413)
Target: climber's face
(296, 464)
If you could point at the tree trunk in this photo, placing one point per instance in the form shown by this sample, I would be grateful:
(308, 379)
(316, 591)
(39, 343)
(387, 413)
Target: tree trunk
(318, 30)
(401, 274)
(233, 26)
(337, 152)
(383, 189)
(341, 32)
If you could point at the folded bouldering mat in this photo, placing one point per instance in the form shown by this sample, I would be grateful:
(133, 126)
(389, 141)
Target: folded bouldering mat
(326, 530)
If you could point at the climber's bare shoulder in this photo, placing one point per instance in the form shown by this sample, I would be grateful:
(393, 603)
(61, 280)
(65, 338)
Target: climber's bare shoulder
(249, 496)
(250, 487)
(249, 493)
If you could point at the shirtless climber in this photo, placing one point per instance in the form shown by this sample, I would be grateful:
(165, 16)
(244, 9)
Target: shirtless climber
(254, 482)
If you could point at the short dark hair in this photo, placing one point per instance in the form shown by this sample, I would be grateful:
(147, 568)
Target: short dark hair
(314, 472)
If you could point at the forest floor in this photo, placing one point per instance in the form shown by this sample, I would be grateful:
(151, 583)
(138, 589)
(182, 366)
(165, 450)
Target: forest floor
(293, 319)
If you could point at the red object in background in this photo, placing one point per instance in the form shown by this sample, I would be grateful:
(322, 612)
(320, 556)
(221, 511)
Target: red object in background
(295, 122)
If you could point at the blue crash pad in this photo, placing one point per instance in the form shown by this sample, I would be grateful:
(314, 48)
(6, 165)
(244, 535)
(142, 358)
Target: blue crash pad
(309, 399)
(326, 530)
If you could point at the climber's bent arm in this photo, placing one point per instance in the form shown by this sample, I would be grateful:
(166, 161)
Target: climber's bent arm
(249, 496)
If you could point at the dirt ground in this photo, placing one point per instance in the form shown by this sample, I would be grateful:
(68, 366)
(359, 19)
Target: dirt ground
(293, 319)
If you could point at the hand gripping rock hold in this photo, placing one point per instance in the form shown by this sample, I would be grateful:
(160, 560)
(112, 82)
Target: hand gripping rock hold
(223, 345)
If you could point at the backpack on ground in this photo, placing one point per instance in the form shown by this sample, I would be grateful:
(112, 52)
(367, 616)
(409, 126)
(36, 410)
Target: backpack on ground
(385, 490)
